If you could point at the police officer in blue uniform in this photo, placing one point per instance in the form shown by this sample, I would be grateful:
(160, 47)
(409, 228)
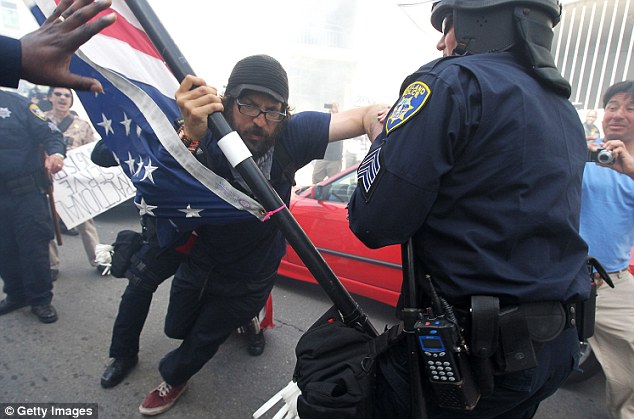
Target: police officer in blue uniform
(480, 164)
(25, 222)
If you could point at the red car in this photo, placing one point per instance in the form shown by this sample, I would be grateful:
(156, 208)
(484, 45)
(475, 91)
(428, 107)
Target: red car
(321, 211)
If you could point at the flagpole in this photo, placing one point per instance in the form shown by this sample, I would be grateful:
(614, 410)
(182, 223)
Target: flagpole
(238, 155)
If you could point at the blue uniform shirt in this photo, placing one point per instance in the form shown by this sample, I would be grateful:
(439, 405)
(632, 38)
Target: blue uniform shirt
(482, 166)
(24, 128)
(607, 216)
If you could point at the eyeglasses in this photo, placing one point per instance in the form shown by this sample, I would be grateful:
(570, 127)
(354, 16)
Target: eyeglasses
(60, 94)
(254, 111)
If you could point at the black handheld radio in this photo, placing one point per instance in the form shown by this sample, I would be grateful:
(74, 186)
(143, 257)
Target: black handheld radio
(444, 355)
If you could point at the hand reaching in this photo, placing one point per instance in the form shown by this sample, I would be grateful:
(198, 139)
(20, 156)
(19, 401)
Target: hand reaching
(46, 52)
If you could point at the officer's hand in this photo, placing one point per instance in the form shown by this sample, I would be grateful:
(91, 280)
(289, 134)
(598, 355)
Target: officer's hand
(197, 101)
(623, 160)
(53, 164)
(377, 126)
(46, 52)
(382, 114)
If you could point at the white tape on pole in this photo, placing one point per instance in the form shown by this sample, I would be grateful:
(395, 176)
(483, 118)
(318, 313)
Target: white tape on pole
(234, 148)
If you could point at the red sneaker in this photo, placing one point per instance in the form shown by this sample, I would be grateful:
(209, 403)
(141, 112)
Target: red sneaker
(161, 399)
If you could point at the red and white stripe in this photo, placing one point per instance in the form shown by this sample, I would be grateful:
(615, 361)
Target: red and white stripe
(125, 48)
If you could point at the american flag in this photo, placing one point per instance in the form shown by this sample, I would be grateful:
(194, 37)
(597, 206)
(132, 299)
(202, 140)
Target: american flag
(135, 117)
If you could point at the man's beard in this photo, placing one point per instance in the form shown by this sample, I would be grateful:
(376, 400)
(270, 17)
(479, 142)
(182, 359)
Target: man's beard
(260, 147)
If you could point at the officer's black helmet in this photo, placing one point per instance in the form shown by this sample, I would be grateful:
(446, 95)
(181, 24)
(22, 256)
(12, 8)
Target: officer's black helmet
(523, 26)
(491, 25)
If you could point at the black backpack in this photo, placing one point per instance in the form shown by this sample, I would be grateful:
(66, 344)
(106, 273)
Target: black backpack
(336, 368)
(128, 242)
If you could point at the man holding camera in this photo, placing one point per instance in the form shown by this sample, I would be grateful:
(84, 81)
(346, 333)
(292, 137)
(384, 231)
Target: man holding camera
(607, 225)
(480, 164)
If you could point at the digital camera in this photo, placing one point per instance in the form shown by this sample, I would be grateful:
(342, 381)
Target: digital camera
(601, 155)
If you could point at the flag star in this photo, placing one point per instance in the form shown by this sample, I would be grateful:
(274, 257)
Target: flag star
(148, 171)
(145, 208)
(106, 124)
(130, 162)
(138, 131)
(139, 167)
(189, 212)
(126, 123)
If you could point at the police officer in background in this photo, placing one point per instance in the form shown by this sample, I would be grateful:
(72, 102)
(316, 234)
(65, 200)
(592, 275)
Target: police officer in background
(25, 221)
(480, 163)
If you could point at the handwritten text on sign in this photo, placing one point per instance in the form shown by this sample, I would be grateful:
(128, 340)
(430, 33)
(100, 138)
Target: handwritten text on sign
(83, 190)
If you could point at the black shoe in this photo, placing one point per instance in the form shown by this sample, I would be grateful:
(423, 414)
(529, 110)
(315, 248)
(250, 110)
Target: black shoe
(45, 312)
(117, 371)
(7, 306)
(256, 343)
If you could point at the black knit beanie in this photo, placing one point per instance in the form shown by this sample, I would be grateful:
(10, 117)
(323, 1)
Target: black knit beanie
(260, 73)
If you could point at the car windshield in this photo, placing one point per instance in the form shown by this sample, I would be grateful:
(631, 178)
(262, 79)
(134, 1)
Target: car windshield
(341, 189)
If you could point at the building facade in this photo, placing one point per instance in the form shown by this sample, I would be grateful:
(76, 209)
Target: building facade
(593, 46)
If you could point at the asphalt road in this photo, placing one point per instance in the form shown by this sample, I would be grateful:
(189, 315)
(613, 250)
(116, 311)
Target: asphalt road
(62, 362)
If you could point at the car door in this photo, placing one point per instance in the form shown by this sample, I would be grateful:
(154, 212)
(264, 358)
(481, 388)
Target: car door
(323, 215)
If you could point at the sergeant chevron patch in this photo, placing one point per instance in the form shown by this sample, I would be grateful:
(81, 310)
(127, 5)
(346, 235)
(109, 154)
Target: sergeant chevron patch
(368, 171)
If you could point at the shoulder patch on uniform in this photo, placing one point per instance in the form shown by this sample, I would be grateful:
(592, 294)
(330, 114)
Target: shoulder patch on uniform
(35, 110)
(369, 170)
(412, 100)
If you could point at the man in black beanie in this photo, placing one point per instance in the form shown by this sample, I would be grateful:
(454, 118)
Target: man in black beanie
(231, 269)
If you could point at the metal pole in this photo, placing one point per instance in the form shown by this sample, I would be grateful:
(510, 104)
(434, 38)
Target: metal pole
(264, 193)
(412, 313)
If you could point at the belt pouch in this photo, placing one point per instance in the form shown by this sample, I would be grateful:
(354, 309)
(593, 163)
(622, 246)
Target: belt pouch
(485, 311)
(585, 314)
(517, 349)
(545, 320)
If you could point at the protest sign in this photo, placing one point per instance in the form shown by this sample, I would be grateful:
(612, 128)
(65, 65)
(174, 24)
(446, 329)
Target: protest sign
(84, 190)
